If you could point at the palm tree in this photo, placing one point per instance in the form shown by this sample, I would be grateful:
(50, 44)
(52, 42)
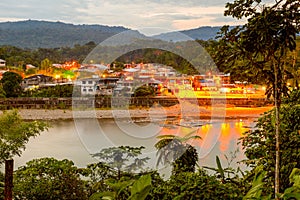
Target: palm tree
(176, 151)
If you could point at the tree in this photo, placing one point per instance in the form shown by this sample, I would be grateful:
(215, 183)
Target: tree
(2, 92)
(122, 158)
(176, 151)
(15, 133)
(11, 84)
(263, 43)
(113, 177)
(46, 65)
(260, 146)
(48, 178)
(144, 91)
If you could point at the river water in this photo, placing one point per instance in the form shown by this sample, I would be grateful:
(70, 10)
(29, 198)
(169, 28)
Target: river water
(78, 139)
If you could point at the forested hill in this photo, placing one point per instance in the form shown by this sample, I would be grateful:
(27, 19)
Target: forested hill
(201, 33)
(35, 34)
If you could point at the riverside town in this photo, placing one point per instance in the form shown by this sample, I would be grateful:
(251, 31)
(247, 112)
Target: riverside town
(209, 110)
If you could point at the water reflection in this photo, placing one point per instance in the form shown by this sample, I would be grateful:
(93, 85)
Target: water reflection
(76, 141)
(218, 139)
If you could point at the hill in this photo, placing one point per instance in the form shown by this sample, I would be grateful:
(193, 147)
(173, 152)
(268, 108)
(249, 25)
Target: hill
(43, 34)
(201, 33)
(34, 34)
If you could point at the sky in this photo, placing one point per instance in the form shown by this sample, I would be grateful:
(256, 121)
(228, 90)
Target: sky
(149, 17)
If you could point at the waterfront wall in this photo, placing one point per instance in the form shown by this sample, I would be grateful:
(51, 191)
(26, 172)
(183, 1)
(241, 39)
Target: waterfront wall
(122, 102)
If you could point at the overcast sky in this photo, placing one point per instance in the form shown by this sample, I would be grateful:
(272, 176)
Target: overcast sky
(146, 16)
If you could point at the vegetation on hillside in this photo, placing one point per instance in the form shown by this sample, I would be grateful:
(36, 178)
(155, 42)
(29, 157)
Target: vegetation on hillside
(32, 34)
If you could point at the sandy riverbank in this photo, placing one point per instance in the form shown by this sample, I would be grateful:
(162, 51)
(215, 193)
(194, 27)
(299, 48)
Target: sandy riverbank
(183, 110)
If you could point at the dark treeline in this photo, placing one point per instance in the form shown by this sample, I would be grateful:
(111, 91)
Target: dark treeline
(209, 58)
(17, 57)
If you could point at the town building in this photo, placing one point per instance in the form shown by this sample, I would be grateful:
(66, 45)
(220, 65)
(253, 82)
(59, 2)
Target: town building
(2, 63)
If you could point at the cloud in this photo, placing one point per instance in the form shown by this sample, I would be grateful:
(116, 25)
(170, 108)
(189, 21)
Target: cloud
(135, 14)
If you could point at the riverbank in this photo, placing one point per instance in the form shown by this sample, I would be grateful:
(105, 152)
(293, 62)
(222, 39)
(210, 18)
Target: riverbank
(185, 110)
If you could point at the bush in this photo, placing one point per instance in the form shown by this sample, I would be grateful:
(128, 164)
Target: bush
(144, 91)
(48, 178)
(200, 185)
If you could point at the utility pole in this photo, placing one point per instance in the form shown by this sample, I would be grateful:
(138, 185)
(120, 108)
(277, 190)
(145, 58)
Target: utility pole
(8, 184)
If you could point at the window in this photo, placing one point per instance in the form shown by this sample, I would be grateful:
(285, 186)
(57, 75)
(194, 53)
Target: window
(83, 82)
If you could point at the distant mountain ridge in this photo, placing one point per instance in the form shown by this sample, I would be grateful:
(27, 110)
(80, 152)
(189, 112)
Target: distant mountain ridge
(34, 34)
(43, 34)
(201, 33)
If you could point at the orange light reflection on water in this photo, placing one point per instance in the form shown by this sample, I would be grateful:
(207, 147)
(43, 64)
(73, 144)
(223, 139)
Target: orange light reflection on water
(218, 138)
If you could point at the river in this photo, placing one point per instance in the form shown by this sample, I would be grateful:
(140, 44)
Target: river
(78, 139)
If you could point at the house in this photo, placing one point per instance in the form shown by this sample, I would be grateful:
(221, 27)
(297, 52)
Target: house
(87, 85)
(30, 66)
(105, 86)
(2, 63)
(36, 80)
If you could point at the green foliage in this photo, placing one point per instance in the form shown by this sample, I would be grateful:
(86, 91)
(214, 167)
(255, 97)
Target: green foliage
(2, 92)
(37, 34)
(141, 188)
(229, 175)
(293, 99)
(144, 91)
(293, 192)
(257, 185)
(15, 133)
(220, 171)
(55, 91)
(176, 151)
(248, 50)
(30, 71)
(290, 193)
(187, 161)
(11, 84)
(199, 185)
(263, 44)
(116, 189)
(48, 178)
(46, 64)
(259, 145)
(119, 189)
(122, 158)
(97, 174)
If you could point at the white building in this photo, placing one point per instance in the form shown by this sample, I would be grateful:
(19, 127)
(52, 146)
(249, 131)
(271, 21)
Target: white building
(88, 86)
(2, 63)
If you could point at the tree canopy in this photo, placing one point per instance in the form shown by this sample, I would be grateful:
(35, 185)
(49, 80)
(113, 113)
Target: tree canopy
(15, 133)
(11, 84)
